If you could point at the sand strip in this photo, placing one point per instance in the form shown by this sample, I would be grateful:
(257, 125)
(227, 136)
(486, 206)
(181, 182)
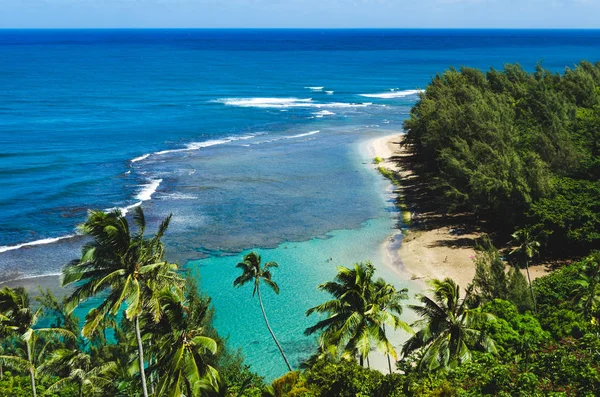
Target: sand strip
(432, 246)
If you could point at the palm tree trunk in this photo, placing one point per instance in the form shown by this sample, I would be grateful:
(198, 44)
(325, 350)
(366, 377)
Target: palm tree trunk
(138, 337)
(31, 373)
(368, 362)
(531, 287)
(387, 354)
(271, 331)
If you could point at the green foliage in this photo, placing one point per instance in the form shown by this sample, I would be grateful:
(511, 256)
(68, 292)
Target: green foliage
(517, 149)
(358, 315)
(183, 351)
(514, 333)
(344, 379)
(448, 330)
(377, 160)
(490, 279)
(389, 175)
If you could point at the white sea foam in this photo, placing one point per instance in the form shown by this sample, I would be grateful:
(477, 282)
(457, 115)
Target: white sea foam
(200, 145)
(144, 157)
(21, 276)
(148, 190)
(34, 243)
(302, 135)
(342, 105)
(329, 92)
(315, 88)
(322, 113)
(392, 94)
(286, 103)
(265, 102)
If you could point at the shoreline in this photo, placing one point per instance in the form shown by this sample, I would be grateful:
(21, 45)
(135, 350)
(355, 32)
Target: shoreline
(427, 250)
(425, 253)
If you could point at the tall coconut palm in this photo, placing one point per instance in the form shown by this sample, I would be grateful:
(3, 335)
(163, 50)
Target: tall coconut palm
(129, 265)
(358, 314)
(182, 351)
(253, 272)
(73, 366)
(527, 248)
(448, 329)
(18, 318)
(386, 310)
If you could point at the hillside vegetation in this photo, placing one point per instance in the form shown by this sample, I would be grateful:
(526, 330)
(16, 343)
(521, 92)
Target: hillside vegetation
(517, 149)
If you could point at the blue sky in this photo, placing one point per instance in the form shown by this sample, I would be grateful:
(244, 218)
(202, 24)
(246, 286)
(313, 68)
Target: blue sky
(301, 13)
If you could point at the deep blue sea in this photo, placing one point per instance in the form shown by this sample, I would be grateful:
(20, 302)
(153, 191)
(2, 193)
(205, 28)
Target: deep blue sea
(251, 138)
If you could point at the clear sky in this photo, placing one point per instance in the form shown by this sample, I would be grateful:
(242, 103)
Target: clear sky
(300, 13)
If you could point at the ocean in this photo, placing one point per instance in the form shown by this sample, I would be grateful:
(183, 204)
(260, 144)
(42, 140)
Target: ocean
(252, 139)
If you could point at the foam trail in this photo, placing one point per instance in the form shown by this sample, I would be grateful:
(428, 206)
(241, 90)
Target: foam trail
(148, 190)
(286, 103)
(144, 195)
(265, 102)
(302, 135)
(315, 88)
(200, 145)
(342, 105)
(329, 92)
(34, 243)
(323, 113)
(392, 94)
(144, 157)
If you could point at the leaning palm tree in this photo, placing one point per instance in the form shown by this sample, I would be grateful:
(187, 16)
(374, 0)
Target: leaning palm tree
(129, 265)
(73, 366)
(18, 318)
(358, 314)
(527, 247)
(449, 330)
(182, 351)
(253, 272)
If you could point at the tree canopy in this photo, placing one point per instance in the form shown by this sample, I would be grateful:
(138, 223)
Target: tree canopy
(518, 149)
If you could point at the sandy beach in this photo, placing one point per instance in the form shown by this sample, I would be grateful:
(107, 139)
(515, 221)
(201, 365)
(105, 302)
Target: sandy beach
(431, 247)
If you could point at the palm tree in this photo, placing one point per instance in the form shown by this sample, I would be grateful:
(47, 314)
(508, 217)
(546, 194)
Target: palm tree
(182, 351)
(73, 366)
(358, 314)
(17, 317)
(387, 309)
(527, 247)
(448, 329)
(252, 271)
(130, 266)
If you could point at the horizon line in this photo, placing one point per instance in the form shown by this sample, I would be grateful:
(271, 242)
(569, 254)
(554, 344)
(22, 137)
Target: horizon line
(297, 28)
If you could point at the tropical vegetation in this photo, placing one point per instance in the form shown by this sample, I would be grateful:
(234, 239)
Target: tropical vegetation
(518, 150)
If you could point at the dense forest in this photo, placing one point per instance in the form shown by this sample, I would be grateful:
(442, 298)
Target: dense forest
(517, 150)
